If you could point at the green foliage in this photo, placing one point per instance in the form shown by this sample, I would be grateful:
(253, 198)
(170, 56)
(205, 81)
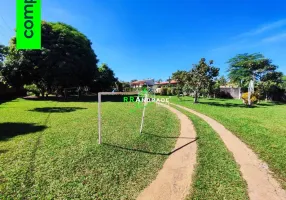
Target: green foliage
(187, 89)
(65, 60)
(169, 91)
(181, 77)
(246, 67)
(174, 91)
(202, 75)
(253, 98)
(126, 87)
(271, 86)
(222, 81)
(163, 91)
(107, 79)
(284, 82)
(3, 53)
(33, 89)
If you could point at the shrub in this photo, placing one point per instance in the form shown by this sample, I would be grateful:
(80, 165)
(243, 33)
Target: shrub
(174, 91)
(32, 89)
(163, 91)
(169, 91)
(253, 98)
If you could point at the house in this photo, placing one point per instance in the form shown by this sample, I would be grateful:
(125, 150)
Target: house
(139, 84)
(166, 83)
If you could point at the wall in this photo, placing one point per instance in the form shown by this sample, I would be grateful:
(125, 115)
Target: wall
(233, 92)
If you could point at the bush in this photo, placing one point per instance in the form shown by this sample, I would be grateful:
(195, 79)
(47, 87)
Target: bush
(253, 98)
(163, 91)
(169, 91)
(32, 89)
(174, 91)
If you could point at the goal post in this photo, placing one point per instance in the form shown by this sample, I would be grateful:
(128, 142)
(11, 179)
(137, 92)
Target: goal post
(145, 96)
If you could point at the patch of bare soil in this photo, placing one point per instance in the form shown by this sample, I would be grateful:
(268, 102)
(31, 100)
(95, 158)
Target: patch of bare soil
(261, 184)
(174, 179)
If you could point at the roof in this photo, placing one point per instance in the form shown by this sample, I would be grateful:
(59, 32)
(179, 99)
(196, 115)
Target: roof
(141, 82)
(166, 82)
(138, 82)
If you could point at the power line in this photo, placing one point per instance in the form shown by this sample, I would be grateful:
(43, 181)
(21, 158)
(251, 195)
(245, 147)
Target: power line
(2, 29)
(6, 23)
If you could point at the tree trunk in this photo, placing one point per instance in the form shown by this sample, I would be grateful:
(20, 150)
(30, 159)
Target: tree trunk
(196, 97)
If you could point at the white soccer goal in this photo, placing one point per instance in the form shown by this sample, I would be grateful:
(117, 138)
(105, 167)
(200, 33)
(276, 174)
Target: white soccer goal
(100, 94)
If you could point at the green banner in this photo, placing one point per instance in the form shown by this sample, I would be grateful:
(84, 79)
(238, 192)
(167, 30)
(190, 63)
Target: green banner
(28, 24)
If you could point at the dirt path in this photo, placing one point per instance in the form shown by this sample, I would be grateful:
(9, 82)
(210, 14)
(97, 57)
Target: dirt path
(174, 179)
(261, 184)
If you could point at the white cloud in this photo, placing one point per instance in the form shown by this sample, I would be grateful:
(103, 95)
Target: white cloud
(264, 28)
(245, 41)
(275, 38)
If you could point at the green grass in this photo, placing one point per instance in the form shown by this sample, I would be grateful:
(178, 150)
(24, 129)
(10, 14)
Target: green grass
(217, 175)
(49, 150)
(263, 127)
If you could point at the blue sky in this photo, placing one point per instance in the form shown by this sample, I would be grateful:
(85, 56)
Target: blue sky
(142, 39)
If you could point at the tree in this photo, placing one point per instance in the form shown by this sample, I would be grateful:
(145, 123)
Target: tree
(3, 52)
(65, 60)
(270, 84)
(119, 86)
(284, 82)
(246, 67)
(107, 78)
(181, 78)
(125, 86)
(222, 81)
(2, 55)
(201, 75)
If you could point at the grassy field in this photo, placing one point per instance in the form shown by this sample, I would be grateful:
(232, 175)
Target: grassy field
(262, 127)
(49, 150)
(217, 176)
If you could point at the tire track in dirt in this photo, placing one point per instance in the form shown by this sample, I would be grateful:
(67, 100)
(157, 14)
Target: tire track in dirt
(261, 184)
(175, 178)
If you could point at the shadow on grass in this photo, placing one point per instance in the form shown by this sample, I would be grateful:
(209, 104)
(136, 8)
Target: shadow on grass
(5, 99)
(259, 105)
(56, 109)
(9, 130)
(159, 136)
(235, 105)
(149, 152)
(89, 98)
(226, 104)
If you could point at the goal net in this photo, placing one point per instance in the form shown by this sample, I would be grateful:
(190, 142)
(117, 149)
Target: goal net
(132, 104)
